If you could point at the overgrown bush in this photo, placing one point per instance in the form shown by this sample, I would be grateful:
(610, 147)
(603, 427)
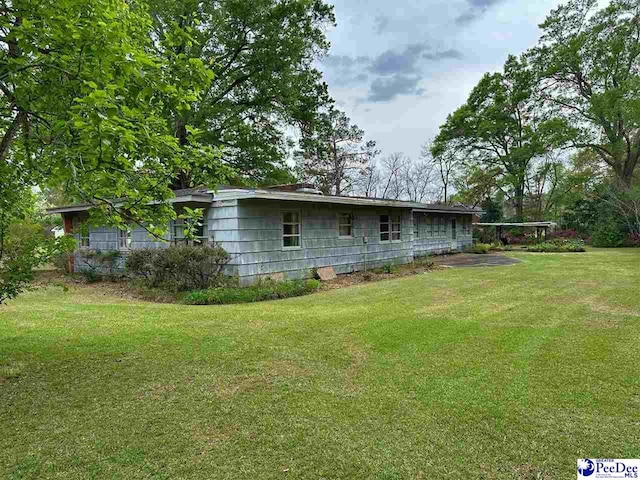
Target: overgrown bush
(179, 268)
(568, 233)
(260, 291)
(558, 245)
(479, 248)
(607, 233)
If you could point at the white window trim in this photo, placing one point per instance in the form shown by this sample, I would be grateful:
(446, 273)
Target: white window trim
(182, 240)
(345, 237)
(399, 231)
(128, 237)
(282, 234)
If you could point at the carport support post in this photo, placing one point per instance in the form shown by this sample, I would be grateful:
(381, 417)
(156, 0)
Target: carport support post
(498, 233)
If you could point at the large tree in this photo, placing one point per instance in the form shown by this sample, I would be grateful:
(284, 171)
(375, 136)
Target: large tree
(333, 152)
(589, 64)
(501, 128)
(261, 53)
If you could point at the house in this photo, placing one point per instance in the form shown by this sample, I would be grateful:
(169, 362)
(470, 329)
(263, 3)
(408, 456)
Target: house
(288, 230)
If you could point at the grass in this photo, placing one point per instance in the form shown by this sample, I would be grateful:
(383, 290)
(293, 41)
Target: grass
(497, 373)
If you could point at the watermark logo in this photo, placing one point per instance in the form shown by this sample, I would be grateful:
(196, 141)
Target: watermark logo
(609, 468)
(586, 467)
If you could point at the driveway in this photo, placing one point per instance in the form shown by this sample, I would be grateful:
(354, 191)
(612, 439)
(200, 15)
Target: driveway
(474, 260)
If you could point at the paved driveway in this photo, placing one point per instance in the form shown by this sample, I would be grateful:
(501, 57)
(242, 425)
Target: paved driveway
(474, 260)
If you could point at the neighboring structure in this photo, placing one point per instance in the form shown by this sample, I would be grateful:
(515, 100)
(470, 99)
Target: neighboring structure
(289, 230)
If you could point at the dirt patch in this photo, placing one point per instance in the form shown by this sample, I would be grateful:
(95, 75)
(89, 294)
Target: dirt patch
(378, 274)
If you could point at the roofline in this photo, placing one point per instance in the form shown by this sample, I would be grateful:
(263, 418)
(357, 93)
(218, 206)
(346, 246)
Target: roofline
(206, 198)
(244, 194)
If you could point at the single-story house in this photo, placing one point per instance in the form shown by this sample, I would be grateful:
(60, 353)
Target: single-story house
(289, 230)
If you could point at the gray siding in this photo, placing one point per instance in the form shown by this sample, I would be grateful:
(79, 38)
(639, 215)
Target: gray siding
(251, 231)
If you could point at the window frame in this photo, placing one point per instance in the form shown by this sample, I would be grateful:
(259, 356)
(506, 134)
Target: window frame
(429, 229)
(198, 240)
(82, 242)
(416, 227)
(291, 235)
(128, 240)
(397, 217)
(350, 225)
(388, 230)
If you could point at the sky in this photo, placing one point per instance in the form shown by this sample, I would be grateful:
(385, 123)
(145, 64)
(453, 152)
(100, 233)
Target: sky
(399, 67)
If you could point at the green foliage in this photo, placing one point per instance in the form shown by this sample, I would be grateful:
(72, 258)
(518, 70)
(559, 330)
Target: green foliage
(607, 233)
(179, 268)
(479, 248)
(388, 268)
(260, 291)
(262, 54)
(558, 245)
(501, 129)
(84, 96)
(587, 62)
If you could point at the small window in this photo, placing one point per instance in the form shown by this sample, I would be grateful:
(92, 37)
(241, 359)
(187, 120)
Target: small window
(345, 225)
(81, 233)
(429, 229)
(416, 227)
(385, 228)
(291, 230)
(443, 227)
(124, 239)
(178, 235)
(396, 228)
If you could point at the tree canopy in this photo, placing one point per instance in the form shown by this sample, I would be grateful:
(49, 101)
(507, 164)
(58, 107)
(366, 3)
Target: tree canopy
(588, 64)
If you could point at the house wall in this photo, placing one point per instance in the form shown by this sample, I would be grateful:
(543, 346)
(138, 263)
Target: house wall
(251, 231)
(429, 242)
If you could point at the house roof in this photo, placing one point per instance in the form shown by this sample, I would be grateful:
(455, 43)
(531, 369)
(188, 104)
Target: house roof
(204, 195)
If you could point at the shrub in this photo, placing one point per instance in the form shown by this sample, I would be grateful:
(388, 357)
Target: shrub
(479, 248)
(632, 240)
(558, 245)
(179, 268)
(387, 268)
(607, 234)
(260, 291)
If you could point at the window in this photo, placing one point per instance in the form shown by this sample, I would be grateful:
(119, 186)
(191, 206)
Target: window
(429, 226)
(200, 232)
(345, 225)
(385, 227)
(443, 227)
(81, 233)
(416, 227)
(291, 230)
(454, 233)
(396, 228)
(124, 239)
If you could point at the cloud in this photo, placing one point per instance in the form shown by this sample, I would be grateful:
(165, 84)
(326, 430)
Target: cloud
(384, 89)
(389, 74)
(405, 61)
(380, 23)
(476, 9)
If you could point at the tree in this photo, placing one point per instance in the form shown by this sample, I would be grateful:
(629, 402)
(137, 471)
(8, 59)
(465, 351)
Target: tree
(261, 54)
(445, 163)
(333, 152)
(589, 65)
(501, 126)
(83, 97)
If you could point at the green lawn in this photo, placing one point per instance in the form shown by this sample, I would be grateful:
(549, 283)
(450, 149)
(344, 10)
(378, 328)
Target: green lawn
(497, 373)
